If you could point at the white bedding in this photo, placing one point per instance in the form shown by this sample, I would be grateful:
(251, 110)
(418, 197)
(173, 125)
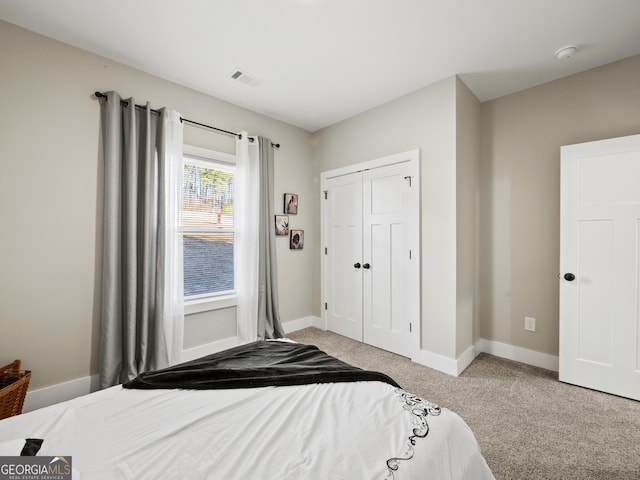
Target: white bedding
(318, 431)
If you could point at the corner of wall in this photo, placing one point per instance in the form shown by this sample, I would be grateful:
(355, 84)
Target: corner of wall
(467, 130)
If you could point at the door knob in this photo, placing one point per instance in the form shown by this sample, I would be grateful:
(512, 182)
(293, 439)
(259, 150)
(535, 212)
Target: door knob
(569, 277)
(366, 265)
(356, 265)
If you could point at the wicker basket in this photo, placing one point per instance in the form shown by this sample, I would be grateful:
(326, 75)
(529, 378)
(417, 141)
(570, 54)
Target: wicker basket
(13, 388)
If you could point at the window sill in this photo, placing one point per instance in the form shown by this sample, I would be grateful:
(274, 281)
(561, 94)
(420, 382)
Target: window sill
(210, 303)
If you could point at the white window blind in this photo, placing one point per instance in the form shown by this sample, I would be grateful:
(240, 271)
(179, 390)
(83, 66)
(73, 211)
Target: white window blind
(209, 227)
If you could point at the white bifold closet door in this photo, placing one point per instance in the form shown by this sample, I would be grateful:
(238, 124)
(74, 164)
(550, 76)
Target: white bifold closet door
(600, 266)
(372, 256)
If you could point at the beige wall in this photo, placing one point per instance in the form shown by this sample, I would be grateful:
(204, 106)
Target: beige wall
(50, 194)
(425, 119)
(520, 183)
(467, 214)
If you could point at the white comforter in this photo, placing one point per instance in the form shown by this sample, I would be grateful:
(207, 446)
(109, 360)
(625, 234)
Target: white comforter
(320, 431)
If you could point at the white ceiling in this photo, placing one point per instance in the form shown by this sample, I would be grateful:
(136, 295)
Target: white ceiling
(321, 61)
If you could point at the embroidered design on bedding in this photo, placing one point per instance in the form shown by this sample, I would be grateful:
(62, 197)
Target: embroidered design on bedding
(419, 410)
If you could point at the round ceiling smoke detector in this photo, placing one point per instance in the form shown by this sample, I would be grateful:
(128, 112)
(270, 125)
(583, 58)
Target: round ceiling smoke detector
(566, 52)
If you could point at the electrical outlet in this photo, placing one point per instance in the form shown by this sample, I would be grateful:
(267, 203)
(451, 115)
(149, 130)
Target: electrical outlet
(530, 324)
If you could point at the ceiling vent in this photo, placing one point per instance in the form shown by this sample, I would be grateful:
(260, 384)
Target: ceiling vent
(244, 77)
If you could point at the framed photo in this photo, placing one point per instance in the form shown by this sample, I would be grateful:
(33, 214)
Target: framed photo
(296, 240)
(282, 225)
(291, 203)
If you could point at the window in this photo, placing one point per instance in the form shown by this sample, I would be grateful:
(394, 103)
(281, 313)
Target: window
(208, 223)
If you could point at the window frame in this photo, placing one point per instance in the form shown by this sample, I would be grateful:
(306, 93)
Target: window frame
(209, 301)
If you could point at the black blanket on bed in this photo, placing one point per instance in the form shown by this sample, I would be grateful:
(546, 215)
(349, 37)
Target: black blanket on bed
(257, 364)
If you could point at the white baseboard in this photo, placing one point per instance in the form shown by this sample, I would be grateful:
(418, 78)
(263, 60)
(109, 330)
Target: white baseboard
(43, 397)
(465, 359)
(301, 323)
(518, 354)
(438, 362)
(446, 364)
(455, 367)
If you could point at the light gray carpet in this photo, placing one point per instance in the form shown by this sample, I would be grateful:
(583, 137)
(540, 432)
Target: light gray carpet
(528, 424)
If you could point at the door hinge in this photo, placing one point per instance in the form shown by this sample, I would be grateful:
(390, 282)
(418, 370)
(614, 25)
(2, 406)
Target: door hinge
(409, 254)
(325, 250)
(325, 305)
(326, 192)
(409, 327)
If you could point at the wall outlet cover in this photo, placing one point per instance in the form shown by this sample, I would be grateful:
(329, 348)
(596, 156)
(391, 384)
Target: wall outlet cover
(530, 324)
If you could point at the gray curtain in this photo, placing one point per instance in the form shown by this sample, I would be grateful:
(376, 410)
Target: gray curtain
(269, 325)
(131, 335)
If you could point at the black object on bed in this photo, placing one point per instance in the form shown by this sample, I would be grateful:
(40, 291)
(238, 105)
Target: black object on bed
(257, 364)
(31, 447)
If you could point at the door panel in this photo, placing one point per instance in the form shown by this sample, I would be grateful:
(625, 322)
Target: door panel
(344, 246)
(604, 179)
(600, 218)
(596, 291)
(379, 281)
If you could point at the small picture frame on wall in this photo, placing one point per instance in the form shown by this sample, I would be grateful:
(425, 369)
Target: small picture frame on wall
(282, 225)
(296, 240)
(291, 203)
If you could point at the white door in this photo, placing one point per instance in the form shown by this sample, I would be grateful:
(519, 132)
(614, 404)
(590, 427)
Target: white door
(390, 256)
(343, 254)
(600, 267)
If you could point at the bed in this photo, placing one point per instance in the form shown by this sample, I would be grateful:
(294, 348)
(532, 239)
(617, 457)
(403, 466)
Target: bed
(288, 411)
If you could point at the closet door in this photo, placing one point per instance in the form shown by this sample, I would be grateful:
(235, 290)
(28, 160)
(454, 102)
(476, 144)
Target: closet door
(371, 260)
(343, 270)
(390, 257)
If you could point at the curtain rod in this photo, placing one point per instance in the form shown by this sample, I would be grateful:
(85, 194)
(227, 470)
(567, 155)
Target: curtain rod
(186, 120)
